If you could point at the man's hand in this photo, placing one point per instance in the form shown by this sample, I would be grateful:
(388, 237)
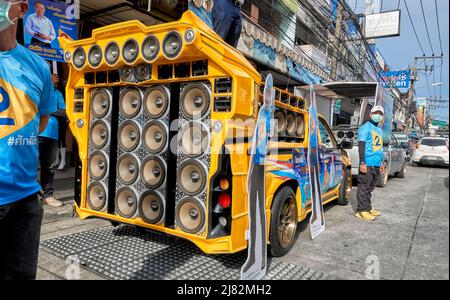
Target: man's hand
(363, 169)
(43, 123)
(382, 169)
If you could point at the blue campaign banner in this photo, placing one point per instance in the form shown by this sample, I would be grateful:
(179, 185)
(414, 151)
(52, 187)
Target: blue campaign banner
(399, 79)
(46, 21)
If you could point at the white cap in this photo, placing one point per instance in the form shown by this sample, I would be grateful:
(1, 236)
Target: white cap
(377, 109)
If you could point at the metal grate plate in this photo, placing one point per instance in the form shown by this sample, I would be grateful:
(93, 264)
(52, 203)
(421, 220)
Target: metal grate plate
(125, 253)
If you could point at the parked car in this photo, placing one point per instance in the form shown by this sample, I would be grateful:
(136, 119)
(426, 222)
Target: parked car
(432, 151)
(405, 142)
(395, 160)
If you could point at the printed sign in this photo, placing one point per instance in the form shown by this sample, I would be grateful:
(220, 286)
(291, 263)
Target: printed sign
(399, 79)
(46, 21)
(386, 24)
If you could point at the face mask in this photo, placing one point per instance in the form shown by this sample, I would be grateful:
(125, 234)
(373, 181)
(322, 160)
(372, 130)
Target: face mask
(377, 118)
(5, 22)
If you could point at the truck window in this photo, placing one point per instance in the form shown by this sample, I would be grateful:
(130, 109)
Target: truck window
(326, 136)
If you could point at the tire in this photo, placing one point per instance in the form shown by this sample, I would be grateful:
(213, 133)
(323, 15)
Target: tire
(402, 173)
(347, 184)
(285, 198)
(383, 179)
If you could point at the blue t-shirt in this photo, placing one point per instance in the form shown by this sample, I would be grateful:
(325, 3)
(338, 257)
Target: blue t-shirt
(263, 126)
(26, 93)
(373, 137)
(51, 131)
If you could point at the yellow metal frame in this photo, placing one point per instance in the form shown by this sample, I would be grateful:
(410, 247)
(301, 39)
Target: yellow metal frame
(223, 61)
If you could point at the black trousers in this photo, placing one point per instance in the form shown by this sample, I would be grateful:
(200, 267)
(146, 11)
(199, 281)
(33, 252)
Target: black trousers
(48, 158)
(20, 229)
(366, 185)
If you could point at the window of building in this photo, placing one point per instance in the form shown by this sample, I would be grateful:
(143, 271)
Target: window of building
(254, 12)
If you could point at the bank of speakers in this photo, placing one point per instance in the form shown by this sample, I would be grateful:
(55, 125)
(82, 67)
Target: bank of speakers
(193, 157)
(99, 149)
(289, 124)
(143, 146)
(345, 136)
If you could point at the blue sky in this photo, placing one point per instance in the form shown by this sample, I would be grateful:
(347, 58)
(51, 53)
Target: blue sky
(399, 52)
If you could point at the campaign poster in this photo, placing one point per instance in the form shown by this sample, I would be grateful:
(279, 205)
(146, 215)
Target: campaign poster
(46, 21)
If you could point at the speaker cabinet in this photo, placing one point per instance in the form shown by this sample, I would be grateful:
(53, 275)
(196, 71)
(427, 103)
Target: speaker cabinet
(193, 157)
(141, 186)
(100, 133)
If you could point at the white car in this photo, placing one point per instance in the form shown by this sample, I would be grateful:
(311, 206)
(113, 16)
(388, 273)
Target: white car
(431, 151)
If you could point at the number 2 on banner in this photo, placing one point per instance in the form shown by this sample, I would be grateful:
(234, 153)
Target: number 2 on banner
(4, 105)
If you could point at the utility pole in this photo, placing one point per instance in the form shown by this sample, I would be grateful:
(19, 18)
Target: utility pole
(336, 42)
(411, 94)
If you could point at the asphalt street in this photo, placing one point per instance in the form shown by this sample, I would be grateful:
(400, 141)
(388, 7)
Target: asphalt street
(409, 241)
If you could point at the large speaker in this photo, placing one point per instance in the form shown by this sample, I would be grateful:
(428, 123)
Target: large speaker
(141, 188)
(193, 157)
(99, 149)
(280, 119)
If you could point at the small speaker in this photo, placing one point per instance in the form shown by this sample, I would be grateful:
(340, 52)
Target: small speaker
(99, 134)
(98, 165)
(95, 56)
(127, 169)
(194, 139)
(300, 126)
(172, 45)
(112, 53)
(291, 126)
(126, 203)
(156, 101)
(280, 117)
(151, 207)
(130, 102)
(150, 48)
(79, 58)
(155, 137)
(195, 101)
(192, 176)
(191, 215)
(143, 72)
(101, 103)
(129, 135)
(130, 51)
(153, 172)
(97, 196)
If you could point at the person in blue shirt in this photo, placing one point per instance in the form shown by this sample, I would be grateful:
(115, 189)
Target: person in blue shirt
(48, 148)
(370, 137)
(39, 27)
(26, 101)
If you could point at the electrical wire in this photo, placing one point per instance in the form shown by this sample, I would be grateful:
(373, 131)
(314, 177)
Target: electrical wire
(426, 27)
(414, 28)
(438, 26)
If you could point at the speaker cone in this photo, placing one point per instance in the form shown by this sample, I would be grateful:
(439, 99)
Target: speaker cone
(350, 135)
(150, 48)
(194, 139)
(99, 134)
(340, 134)
(189, 36)
(151, 207)
(100, 103)
(130, 51)
(195, 100)
(190, 215)
(300, 131)
(79, 58)
(291, 126)
(127, 75)
(155, 137)
(126, 202)
(156, 101)
(98, 165)
(153, 172)
(280, 117)
(112, 53)
(143, 72)
(130, 102)
(129, 136)
(95, 56)
(96, 196)
(172, 45)
(128, 169)
(192, 177)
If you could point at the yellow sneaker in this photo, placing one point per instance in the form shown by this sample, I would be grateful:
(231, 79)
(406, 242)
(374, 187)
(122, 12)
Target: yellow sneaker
(364, 215)
(375, 213)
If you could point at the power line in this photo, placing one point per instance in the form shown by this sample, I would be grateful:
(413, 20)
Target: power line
(414, 28)
(426, 27)
(438, 26)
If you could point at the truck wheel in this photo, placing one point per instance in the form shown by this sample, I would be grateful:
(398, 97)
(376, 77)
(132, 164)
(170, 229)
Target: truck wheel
(283, 224)
(345, 191)
(383, 180)
(402, 173)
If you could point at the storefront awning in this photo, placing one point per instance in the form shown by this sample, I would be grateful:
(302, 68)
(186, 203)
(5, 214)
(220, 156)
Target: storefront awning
(350, 90)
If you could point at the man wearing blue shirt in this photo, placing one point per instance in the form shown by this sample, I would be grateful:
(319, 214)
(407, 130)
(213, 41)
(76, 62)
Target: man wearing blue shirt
(26, 101)
(370, 137)
(48, 148)
(39, 27)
